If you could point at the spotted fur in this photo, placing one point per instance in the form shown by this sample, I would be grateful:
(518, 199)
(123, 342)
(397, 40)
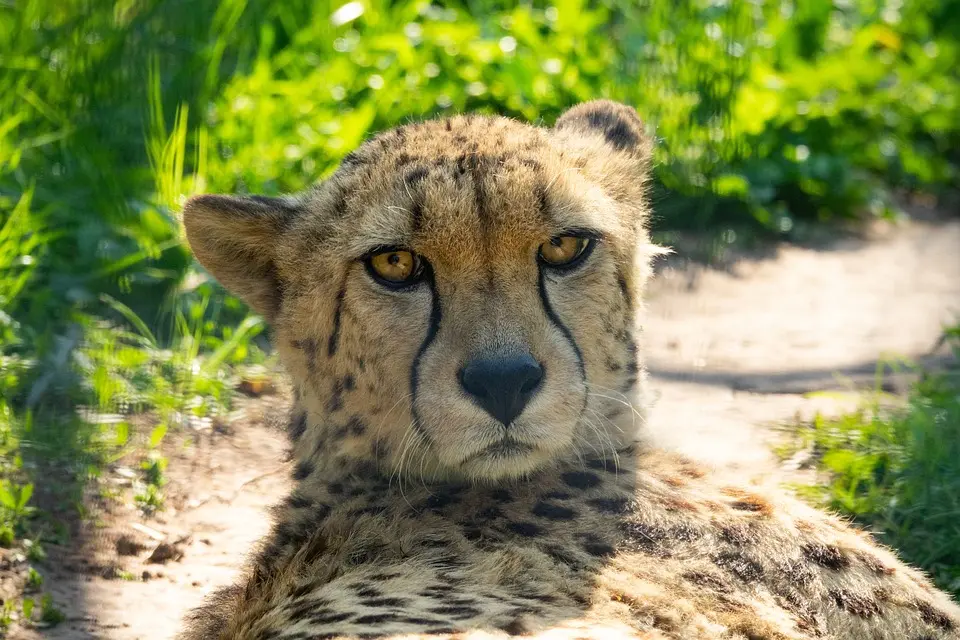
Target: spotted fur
(408, 517)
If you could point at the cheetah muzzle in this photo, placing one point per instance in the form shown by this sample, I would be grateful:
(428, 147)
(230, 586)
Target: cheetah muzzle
(458, 308)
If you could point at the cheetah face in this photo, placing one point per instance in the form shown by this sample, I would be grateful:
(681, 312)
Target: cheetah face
(458, 299)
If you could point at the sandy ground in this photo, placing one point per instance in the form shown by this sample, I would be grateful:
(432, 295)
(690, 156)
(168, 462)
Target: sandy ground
(731, 352)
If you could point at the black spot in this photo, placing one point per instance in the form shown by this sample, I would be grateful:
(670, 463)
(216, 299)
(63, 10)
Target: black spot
(707, 581)
(858, 604)
(490, 513)
(384, 602)
(298, 592)
(562, 556)
(437, 501)
(935, 617)
(738, 535)
(303, 469)
(501, 495)
(740, 565)
(328, 617)
(356, 426)
(366, 591)
(298, 425)
(334, 342)
(827, 556)
(525, 529)
(349, 383)
(610, 505)
(298, 500)
(580, 479)
(624, 287)
(336, 488)
(797, 572)
(336, 397)
(416, 176)
(597, 547)
(515, 627)
(377, 618)
(543, 201)
(552, 511)
(472, 534)
(748, 505)
(403, 159)
(457, 612)
(383, 576)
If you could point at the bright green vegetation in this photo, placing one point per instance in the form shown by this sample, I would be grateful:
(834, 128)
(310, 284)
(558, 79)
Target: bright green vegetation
(896, 470)
(771, 115)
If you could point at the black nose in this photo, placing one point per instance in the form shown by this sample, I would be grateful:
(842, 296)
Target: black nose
(503, 385)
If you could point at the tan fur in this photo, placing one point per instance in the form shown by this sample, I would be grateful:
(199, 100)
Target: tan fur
(403, 522)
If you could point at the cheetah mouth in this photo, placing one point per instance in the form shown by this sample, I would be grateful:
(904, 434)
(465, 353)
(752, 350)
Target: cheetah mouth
(506, 448)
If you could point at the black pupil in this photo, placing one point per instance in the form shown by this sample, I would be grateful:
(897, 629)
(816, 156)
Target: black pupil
(394, 259)
(557, 242)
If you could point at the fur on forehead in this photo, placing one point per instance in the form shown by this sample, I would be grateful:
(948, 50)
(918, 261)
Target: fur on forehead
(445, 181)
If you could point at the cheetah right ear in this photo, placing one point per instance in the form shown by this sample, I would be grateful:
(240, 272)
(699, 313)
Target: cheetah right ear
(610, 140)
(234, 238)
(616, 124)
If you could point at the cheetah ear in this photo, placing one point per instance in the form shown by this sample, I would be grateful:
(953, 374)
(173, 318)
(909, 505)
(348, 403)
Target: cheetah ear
(609, 140)
(234, 238)
(616, 124)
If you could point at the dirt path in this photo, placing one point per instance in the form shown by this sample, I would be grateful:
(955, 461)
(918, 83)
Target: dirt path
(730, 352)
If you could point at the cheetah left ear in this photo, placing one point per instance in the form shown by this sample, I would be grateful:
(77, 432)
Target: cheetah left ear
(235, 239)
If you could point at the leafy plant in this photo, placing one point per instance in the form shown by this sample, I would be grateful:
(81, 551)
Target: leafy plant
(897, 470)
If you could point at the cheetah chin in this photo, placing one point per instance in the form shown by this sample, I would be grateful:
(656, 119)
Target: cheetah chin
(458, 308)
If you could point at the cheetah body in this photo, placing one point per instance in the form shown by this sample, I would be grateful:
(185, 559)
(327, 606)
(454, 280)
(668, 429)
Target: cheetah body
(417, 515)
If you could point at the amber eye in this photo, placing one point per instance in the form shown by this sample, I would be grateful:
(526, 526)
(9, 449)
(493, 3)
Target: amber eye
(564, 251)
(395, 267)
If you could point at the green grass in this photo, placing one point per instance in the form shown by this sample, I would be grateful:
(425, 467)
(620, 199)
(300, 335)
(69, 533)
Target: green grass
(896, 470)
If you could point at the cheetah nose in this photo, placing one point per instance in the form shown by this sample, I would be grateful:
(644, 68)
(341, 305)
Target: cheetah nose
(502, 384)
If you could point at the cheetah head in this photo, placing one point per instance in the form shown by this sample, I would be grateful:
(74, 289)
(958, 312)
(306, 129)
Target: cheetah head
(458, 299)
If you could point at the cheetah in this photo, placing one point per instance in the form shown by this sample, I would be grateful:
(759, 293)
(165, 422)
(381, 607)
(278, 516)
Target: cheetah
(459, 308)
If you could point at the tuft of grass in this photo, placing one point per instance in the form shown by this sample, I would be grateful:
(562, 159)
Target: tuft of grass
(896, 470)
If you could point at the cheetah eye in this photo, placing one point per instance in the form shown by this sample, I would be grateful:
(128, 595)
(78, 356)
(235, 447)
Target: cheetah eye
(395, 268)
(565, 252)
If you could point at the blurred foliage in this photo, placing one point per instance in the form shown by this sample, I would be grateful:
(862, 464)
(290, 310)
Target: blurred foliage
(767, 112)
(896, 470)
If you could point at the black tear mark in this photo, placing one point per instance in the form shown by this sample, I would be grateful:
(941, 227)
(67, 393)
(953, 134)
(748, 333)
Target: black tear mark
(555, 320)
(434, 328)
(334, 343)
